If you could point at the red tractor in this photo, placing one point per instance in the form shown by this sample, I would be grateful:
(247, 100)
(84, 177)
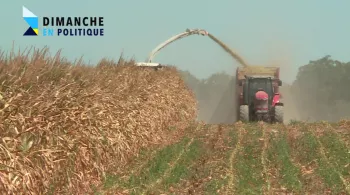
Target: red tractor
(258, 94)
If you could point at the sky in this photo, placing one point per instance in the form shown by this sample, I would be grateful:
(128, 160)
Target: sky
(269, 32)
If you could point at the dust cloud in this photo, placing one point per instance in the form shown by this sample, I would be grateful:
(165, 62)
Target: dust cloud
(225, 111)
(216, 99)
(221, 106)
(280, 55)
(301, 104)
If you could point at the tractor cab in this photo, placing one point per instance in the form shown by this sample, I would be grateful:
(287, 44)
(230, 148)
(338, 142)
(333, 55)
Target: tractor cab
(259, 97)
(254, 84)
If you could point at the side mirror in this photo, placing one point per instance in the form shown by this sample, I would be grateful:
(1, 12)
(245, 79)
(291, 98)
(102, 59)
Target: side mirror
(279, 83)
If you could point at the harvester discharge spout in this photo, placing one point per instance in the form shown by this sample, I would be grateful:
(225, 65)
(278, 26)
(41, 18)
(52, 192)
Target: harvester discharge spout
(187, 33)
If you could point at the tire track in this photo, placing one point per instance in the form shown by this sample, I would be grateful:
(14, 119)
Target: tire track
(284, 132)
(214, 144)
(264, 158)
(238, 146)
(344, 136)
(305, 156)
(283, 172)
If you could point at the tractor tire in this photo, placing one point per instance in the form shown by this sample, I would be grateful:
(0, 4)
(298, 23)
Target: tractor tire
(279, 114)
(244, 113)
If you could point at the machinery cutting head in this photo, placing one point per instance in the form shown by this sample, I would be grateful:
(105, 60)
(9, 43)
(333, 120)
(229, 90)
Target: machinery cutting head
(156, 66)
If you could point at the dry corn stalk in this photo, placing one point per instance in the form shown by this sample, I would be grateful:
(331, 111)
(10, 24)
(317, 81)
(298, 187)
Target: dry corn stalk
(63, 126)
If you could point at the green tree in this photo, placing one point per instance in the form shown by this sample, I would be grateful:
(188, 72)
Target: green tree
(321, 89)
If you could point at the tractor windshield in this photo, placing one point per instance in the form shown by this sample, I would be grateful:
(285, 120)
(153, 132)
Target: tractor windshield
(265, 84)
(253, 85)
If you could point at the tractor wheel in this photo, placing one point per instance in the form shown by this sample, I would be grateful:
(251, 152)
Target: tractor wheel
(244, 113)
(279, 114)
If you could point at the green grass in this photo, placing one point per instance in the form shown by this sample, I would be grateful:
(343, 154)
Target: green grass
(307, 148)
(182, 163)
(233, 138)
(248, 164)
(157, 167)
(331, 178)
(181, 169)
(308, 151)
(212, 187)
(337, 152)
(279, 156)
(338, 158)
